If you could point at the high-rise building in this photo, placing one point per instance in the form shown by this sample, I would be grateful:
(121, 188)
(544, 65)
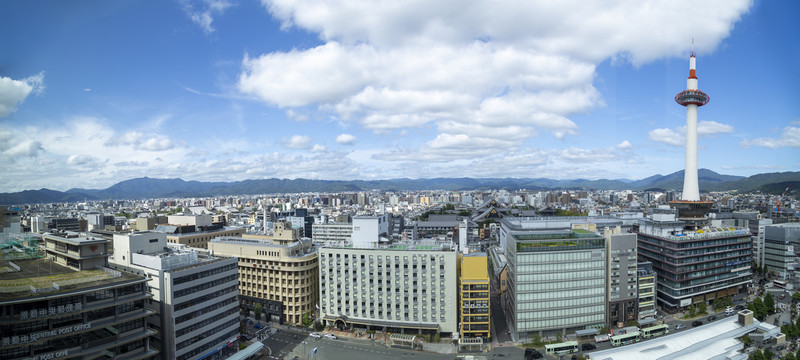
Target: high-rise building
(622, 278)
(277, 275)
(474, 296)
(194, 294)
(693, 266)
(403, 287)
(779, 247)
(556, 279)
(647, 289)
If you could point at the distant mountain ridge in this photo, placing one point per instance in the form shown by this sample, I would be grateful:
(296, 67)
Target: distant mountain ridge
(145, 188)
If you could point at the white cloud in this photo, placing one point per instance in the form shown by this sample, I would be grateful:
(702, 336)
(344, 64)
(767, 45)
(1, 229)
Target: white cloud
(394, 66)
(346, 139)
(137, 140)
(157, 144)
(578, 155)
(318, 148)
(297, 142)
(712, 128)
(26, 148)
(625, 145)
(677, 136)
(14, 92)
(203, 14)
(789, 137)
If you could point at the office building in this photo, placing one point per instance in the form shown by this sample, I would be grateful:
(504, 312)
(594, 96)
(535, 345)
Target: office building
(622, 290)
(693, 266)
(779, 248)
(406, 287)
(194, 294)
(77, 309)
(278, 275)
(647, 290)
(332, 231)
(556, 279)
(475, 307)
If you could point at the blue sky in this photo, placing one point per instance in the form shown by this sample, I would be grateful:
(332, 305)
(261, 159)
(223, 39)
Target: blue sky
(96, 92)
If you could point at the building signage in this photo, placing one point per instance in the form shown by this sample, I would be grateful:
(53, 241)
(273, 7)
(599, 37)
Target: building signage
(52, 355)
(686, 302)
(32, 337)
(53, 310)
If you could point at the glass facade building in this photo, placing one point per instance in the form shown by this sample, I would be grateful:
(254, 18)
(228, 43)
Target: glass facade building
(556, 279)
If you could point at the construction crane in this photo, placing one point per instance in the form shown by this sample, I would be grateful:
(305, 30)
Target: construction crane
(780, 199)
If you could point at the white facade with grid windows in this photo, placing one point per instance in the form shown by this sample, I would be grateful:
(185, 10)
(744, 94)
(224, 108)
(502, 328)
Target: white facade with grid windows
(398, 287)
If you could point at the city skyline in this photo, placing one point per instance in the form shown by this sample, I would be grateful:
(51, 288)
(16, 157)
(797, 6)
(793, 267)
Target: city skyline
(95, 93)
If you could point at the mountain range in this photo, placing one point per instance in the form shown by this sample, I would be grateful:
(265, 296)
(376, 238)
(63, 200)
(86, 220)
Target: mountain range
(145, 188)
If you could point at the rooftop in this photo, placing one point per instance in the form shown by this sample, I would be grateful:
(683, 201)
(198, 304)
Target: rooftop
(715, 340)
(42, 273)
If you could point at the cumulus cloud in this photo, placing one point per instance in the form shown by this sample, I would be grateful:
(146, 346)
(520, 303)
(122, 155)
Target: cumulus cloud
(677, 136)
(506, 66)
(138, 141)
(789, 137)
(25, 148)
(297, 142)
(346, 139)
(318, 148)
(14, 92)
(625, 145)
(203, 14)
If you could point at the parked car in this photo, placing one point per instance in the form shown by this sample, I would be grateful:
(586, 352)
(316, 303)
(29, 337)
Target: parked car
(697, 323)
(531, 353)
(587, 347)
(711, 318)
(258, 326)
(315, 335)
(740, 307)
(680, 326)
(330, 336)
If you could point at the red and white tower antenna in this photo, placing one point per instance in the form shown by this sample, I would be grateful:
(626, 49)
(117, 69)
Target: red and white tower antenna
(691, 98)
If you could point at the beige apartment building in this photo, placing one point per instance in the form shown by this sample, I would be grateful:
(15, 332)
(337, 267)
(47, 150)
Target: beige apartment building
(279, 274)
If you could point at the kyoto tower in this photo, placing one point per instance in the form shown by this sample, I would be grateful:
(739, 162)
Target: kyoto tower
(690, 208)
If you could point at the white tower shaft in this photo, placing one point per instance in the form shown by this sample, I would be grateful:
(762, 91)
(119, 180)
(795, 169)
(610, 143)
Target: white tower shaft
(691, 188)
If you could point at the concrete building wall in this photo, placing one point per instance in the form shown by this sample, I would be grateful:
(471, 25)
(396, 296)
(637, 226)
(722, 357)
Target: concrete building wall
(281, 279)
(402, 287)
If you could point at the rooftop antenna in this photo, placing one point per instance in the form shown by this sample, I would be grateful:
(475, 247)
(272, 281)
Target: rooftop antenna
(692, 45)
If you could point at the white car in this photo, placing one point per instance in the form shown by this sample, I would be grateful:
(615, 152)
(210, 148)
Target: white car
(330, 336)
(315, 335)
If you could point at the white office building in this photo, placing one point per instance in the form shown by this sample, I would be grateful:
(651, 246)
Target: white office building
(194, 294)
(399, 288)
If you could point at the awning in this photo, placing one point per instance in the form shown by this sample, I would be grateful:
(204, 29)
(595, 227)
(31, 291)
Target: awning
(646, 321)
(587, 332)
(247, 352)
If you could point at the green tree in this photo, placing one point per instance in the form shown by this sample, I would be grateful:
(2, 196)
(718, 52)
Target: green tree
(702, 308)
(759, 309)
(757, 355)
(789, 356)
(307, 319)
(746, 340)
(257, 311)
(796, 296)
(768, 354)
(797, 355)
(769, 302)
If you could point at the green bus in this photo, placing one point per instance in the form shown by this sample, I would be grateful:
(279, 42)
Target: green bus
(655, 331)
(561, 348)
(623, 339)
